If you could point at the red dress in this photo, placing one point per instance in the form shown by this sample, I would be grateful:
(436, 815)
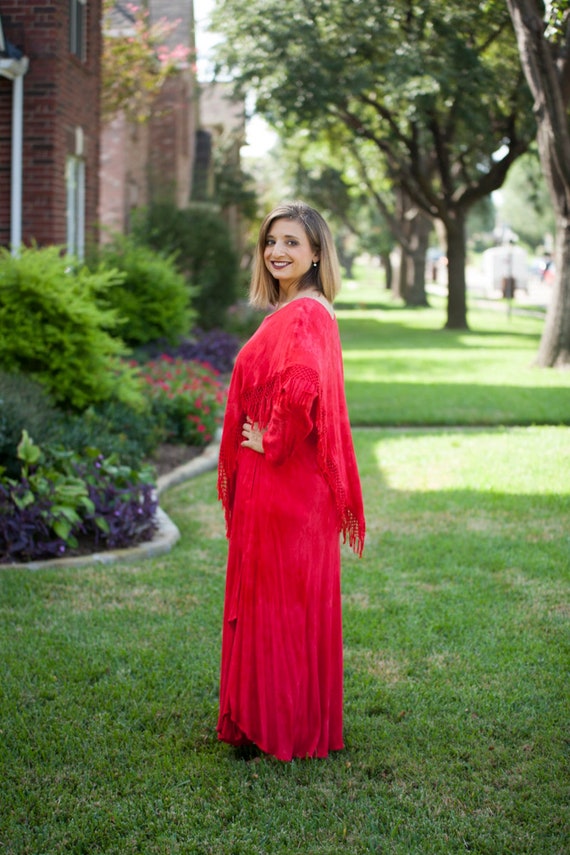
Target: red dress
(281, 669)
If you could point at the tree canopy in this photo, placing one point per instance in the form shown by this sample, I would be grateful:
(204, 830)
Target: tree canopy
(526, 206)
(434, 90)
(136, 60)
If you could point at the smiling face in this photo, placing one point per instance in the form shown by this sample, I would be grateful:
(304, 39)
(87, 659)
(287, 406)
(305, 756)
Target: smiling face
(288, 254)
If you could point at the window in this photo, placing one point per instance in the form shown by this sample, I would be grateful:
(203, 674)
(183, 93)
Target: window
(2, 39)
(77, 16)
(75, 185)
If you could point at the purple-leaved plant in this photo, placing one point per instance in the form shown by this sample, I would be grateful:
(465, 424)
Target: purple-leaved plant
(65, 502)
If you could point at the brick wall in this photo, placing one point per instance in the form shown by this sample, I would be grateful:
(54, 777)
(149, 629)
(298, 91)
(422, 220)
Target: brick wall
(172, 130)
(61, 94)
(124, 174)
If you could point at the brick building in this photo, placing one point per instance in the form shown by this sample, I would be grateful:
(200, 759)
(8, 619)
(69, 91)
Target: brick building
(171, 157)
(222, 125)
(58, 43)
(151, 161)
(67, 179)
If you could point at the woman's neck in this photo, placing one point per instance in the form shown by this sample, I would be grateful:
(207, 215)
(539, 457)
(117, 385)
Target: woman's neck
(287, 297)
(312, 294)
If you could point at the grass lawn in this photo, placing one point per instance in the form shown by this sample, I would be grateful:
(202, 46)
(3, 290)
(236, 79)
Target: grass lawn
(403, 368)
(457, 655)
(456, 698)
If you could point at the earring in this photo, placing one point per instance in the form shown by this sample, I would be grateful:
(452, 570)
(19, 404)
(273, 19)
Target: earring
(315, 263)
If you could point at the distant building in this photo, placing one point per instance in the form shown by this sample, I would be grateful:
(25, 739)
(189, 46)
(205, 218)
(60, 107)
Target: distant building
(49, 122)
(222, 129)
(151, 161)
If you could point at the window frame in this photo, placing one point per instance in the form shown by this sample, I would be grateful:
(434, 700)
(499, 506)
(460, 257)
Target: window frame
(75, 205)
(78, 28)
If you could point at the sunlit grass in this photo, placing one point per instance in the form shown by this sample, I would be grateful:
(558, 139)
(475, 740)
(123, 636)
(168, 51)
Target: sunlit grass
(403, 368)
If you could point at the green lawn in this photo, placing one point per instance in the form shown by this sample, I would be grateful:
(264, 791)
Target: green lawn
(403, 368)
(457, 658)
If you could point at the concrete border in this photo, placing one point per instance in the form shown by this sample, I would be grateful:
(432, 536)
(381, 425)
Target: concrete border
(205, 461)
(166, 535)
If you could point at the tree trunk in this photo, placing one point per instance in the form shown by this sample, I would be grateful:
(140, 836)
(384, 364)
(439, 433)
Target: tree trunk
(554, 347)
(456, 283)
(414, 232)
(548, 77)
(386, 262)
(419, 240)
(346, 259)
(401, 278)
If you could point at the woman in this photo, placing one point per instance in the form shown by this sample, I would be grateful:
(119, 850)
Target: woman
(289, 484)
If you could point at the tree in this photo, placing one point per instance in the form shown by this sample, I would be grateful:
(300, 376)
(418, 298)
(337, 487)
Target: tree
(325, 177)
(543, 37)
(434, 90)
(525, 205)
(136, 61)
(409, 226)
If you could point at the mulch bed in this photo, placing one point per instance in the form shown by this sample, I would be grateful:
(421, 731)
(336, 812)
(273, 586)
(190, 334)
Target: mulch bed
(168, 457)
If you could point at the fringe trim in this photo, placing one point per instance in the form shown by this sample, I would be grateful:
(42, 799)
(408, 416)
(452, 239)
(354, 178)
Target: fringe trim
(354, 532)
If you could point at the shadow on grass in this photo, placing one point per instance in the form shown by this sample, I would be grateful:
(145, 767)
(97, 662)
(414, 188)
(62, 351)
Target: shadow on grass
(379, 334)
(446, 404)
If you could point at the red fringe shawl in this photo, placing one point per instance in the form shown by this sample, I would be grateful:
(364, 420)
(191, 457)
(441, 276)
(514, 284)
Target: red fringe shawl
(296, 354)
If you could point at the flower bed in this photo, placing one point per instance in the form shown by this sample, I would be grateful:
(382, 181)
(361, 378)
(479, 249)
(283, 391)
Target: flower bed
(187, 398)
(64, 502)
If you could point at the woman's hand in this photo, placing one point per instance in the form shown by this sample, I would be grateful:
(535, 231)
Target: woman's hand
(253, 436)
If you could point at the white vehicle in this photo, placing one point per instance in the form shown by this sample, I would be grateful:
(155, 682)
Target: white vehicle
(502, 264)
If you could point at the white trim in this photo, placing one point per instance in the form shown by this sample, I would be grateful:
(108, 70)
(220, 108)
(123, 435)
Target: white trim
(17, 145)
(14, 70)
(80, 247)
(75, 207)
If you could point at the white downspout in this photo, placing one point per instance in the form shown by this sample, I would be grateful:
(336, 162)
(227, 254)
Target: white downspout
(14, 70)
(17, 140)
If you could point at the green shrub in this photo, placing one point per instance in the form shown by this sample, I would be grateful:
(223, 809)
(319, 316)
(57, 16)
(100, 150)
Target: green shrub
(242, 320)
(202, 245)
(24, 404)
(130, 435)
(56, 328)
(115, 428)
(153, 298)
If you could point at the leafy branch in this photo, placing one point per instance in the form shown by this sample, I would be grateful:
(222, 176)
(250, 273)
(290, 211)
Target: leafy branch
(136, 61)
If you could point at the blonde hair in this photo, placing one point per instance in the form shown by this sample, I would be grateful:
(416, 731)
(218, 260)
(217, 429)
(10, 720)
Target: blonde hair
(325, 277)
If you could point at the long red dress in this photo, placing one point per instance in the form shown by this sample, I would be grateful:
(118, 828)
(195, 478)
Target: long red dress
(281, 668)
